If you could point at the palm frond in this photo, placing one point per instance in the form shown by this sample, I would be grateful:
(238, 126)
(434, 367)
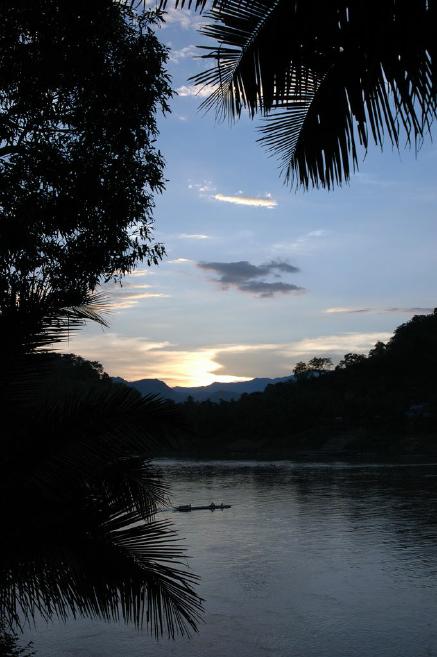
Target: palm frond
(198, 5)
(127, 568)
(333, 76)
(108, 432)
(185, 4)
(78, 496)
(242, 77)
(33, 317)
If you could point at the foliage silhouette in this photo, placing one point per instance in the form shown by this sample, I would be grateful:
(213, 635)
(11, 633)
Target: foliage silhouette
(328, 77)
(9, 645)
(78, 493)
(80, 86)
(316, 365)
(383, 403)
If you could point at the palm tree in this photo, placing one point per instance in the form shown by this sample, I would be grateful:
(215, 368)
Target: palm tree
(328, 77)
(78, 494)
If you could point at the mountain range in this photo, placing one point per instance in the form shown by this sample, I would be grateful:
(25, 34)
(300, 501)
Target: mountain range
(214, 392)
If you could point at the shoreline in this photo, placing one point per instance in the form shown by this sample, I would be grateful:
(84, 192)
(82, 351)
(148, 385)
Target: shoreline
(322, 447)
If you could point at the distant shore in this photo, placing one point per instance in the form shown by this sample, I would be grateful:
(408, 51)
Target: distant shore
(358, 446)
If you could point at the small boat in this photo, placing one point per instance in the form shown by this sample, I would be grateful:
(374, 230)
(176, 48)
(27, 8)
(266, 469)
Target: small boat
(210, 507)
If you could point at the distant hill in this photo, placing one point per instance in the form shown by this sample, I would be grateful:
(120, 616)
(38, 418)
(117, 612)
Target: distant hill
(153, 387)
(379, 406)
(214, 392)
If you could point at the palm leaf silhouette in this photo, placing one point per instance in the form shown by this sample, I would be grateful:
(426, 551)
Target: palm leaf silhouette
(78, 492)
(328, 77)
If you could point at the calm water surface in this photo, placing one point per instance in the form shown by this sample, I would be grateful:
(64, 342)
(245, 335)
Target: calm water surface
(311, 561)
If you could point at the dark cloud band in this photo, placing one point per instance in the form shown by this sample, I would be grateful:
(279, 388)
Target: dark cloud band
(246, 277)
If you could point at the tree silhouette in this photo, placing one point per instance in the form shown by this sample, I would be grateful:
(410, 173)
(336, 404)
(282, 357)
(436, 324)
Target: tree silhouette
(382, 404)
(350, 360)
(317, 364)
(80, 86)
(328, 77)
(78, 494)
(300, 368)
(320, 364)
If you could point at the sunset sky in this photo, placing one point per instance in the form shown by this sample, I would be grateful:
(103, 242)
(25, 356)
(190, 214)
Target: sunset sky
(258, 276)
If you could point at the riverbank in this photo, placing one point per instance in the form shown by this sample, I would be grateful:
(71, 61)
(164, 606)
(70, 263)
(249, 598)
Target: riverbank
(310, 446)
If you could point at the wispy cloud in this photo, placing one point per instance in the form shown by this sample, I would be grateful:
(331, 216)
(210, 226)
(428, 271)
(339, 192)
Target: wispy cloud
(137, 358)
(410, 311)
(193, 90)
(340, 310)
(207, 189)
(245, 276)
(183, 53)
(193, 236)
(139, 273)
(374, 180)
(301, 244)
(184, 18)
(130, 293)
(337, 344)
(180, 261)
(265, 289)
(240, 199)
(203, 189)
(279, 359)
(131, 300)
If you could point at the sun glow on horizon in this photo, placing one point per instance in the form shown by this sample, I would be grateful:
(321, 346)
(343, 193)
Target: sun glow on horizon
(190, 369)
(135, 358)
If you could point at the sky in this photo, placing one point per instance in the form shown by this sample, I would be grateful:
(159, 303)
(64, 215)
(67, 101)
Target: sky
(259, 276)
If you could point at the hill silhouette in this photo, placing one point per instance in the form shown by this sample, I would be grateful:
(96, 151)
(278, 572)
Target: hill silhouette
(215, 392)
(380, 405)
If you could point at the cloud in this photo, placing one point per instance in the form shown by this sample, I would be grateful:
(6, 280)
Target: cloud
(314, 233)
(264, 290)
(138, 358)
(253, 201)
(139, 273)
(133, 299)
(180, 261)
(278, 359)
(241, 271)
(340, 310)
(184, 18)
(193, 236)
(338, 344)
(194, 90)
(410, 311)
(302, 244)
(245, 276)
(374, 180)
(207, 189)
(203, 189)
(183, 53)
(130, 294)
(271, 360)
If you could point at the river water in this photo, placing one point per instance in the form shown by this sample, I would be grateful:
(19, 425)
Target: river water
(312, 560)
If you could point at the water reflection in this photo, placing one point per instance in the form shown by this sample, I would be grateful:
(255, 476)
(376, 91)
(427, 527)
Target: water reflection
(310, 561)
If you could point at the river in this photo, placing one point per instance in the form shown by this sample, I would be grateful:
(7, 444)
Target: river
(312, 560)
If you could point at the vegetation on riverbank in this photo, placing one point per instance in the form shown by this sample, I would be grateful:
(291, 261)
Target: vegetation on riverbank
(82, 86)
(382, 403)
